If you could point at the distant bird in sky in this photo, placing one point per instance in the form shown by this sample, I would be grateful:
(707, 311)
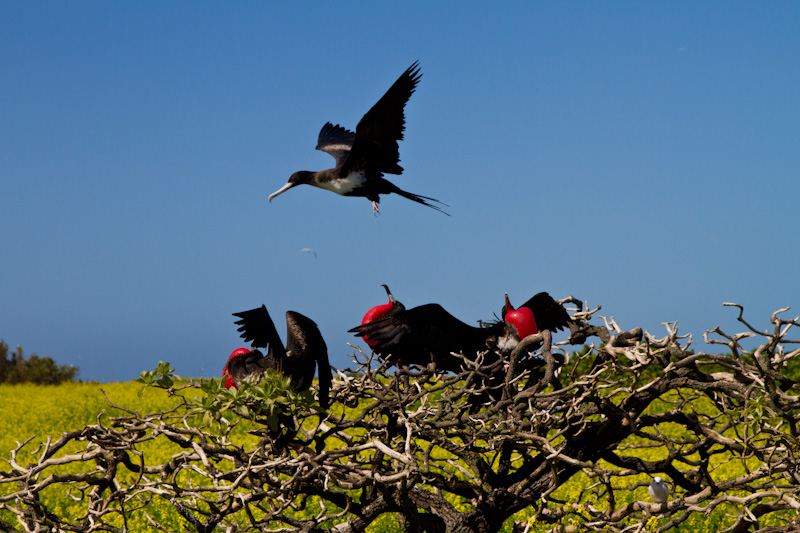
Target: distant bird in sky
(429, 333)
(310, 251)
(305, 349)
(658, 490)
(364, 156)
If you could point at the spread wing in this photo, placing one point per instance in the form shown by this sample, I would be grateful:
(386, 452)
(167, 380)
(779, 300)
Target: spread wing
(548, 313)
(421, 335)
(375, 147)
(257, 328)
(336, 141)
(307, 349)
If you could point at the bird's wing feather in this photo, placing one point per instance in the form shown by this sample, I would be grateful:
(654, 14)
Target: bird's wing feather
(375, 147)
(388, 331)
(548, 313)
(256, 327)
(336, 141)
(306, 349)
(413, 335)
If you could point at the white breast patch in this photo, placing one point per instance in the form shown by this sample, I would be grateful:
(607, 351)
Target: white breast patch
(344, 186)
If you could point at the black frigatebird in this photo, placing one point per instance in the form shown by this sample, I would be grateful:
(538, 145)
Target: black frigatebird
(364, 156)
(305, 349)
(429, 333)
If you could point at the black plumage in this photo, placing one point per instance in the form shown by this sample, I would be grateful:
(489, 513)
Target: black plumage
(363, 157)
(305, 349)
(429, 333)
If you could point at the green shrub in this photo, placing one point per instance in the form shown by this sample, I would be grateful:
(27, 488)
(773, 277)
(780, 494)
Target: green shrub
(16, 368)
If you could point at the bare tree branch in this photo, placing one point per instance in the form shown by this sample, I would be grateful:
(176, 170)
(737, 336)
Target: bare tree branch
(454, 453)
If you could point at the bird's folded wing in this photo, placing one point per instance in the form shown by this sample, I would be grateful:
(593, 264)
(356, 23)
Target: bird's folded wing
(306, 346)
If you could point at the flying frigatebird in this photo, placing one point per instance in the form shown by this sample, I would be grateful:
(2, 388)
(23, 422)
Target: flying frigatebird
(305, 349)
(429, 333)
(364, 156)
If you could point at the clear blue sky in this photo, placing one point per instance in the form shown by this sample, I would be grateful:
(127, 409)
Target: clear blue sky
(643, 156)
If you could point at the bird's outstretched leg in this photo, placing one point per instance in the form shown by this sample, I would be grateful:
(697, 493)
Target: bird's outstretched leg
(375, 210)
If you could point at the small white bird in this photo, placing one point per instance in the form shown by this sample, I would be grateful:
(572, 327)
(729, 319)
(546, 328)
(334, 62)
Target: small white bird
(310, 251)
(658, 490)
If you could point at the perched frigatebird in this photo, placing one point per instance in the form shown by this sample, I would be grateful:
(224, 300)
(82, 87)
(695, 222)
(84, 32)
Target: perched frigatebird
(429, 333)
(305, 349)
(364, 156)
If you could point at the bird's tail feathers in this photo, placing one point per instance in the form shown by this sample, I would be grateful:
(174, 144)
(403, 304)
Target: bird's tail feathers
(424, 200)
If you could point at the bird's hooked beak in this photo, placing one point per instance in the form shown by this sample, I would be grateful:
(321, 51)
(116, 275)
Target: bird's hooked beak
(508, 306)
(282, 190)
(389, 294)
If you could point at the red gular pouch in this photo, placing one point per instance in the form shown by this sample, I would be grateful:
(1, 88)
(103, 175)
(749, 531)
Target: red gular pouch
(236, 354)
(522, 319)
(376, 313)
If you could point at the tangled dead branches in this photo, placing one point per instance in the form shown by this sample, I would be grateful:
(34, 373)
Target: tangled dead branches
(564, 441)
